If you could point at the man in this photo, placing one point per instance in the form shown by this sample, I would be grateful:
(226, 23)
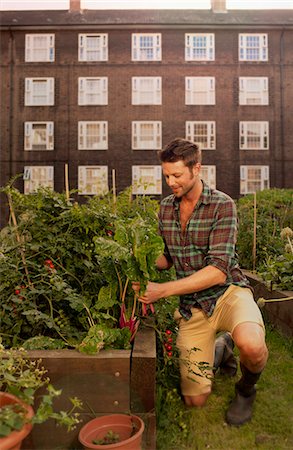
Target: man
(199, 227)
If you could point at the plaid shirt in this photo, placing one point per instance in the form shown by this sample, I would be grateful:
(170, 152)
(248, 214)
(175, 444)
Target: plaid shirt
(208, 240)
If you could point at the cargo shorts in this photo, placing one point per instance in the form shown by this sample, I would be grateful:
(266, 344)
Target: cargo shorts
(196, 336)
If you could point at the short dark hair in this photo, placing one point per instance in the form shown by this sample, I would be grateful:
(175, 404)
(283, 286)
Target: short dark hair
(181, 150)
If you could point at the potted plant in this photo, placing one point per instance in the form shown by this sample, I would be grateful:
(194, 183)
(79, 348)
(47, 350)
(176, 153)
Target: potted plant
(113, 431)
(21, 380)
(14, 411)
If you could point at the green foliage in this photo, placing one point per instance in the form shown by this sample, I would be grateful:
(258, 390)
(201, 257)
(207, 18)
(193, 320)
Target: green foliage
(278, 272)
(43, 343)
(274, 214)
(130, 254)
(65, 267)
(110, 438)
(101, 337)
(23, 377)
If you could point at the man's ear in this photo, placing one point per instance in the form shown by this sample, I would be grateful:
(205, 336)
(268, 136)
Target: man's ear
(196, 168)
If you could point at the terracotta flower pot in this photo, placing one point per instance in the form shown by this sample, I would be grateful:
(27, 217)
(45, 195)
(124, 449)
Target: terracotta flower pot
(13, 440)
(128, 428)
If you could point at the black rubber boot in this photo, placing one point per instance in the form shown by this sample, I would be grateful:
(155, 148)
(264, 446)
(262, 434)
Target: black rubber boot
(225, 360)
(241, 407)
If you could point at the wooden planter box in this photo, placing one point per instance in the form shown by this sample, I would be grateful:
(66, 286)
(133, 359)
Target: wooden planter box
(279, 314)
(116, 381)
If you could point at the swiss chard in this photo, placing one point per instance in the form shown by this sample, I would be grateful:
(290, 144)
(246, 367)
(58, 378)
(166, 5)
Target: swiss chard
(129, 255)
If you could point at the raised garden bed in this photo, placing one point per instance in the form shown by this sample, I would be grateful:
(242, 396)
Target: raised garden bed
(116, 381)
(279, 313)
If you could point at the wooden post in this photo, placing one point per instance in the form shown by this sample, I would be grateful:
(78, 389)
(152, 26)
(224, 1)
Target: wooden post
(114, 185)
(18, 237)
(254, 235)
(66, 182)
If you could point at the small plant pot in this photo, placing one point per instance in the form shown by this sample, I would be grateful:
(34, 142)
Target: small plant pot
(14, 439)
(128, 430)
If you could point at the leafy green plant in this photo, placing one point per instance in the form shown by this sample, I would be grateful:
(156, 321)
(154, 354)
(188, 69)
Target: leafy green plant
(65, 268)
(129, 255)
(23, 378)
(110, 438)
(278, 270)
(274, 212)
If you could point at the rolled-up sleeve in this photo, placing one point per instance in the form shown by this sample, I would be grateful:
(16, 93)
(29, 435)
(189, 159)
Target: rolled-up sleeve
(222, 239)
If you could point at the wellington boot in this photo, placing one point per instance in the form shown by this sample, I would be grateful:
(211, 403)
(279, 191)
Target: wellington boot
(225, 360)
(240, 409)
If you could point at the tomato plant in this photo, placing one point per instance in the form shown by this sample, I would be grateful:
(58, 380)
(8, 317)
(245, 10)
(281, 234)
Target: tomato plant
(65, 268)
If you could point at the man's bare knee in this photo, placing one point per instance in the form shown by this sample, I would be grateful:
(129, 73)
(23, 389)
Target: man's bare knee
(196, 400)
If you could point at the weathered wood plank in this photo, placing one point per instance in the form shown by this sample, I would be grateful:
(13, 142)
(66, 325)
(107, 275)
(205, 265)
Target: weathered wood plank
(109, 382)
(143, 372)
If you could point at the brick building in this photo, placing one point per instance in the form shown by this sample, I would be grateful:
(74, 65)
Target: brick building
(104, 90)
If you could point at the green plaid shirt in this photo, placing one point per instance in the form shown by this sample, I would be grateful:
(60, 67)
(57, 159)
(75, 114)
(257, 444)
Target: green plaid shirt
(208, 240)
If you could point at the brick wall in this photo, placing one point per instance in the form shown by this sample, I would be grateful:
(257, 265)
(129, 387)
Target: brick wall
(173, 112)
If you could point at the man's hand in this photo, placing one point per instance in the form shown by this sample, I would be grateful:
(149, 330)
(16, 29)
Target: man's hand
(153, 293)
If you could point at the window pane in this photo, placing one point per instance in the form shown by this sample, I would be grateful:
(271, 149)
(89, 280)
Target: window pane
(39, 133)
(146, 47)
(40, 92)
(201, 134)
(253, 136)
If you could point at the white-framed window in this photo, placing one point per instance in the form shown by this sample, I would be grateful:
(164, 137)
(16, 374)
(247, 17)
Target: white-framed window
(146, 180)
(254, 178)
(92, 91)
(39, 135)
(146, 47)
(254, 135)
(208, 174)
(92, 135)
(37, 176)
(93, 180)
(200, 91)
(147, 135)
(39, 91)
(93, 47)
(39, 48)
(253, 91)
(199, 47)
(146, 90)
(203, 133)
(253, 47)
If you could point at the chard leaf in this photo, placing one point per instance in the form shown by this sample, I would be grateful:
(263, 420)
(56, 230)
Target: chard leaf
(107, 297)
(108, 248)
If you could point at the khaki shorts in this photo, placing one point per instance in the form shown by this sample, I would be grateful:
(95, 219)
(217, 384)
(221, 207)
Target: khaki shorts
(235, 306)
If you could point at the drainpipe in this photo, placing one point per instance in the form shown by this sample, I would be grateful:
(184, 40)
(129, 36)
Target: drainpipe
(11, 105)
(282, 137)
